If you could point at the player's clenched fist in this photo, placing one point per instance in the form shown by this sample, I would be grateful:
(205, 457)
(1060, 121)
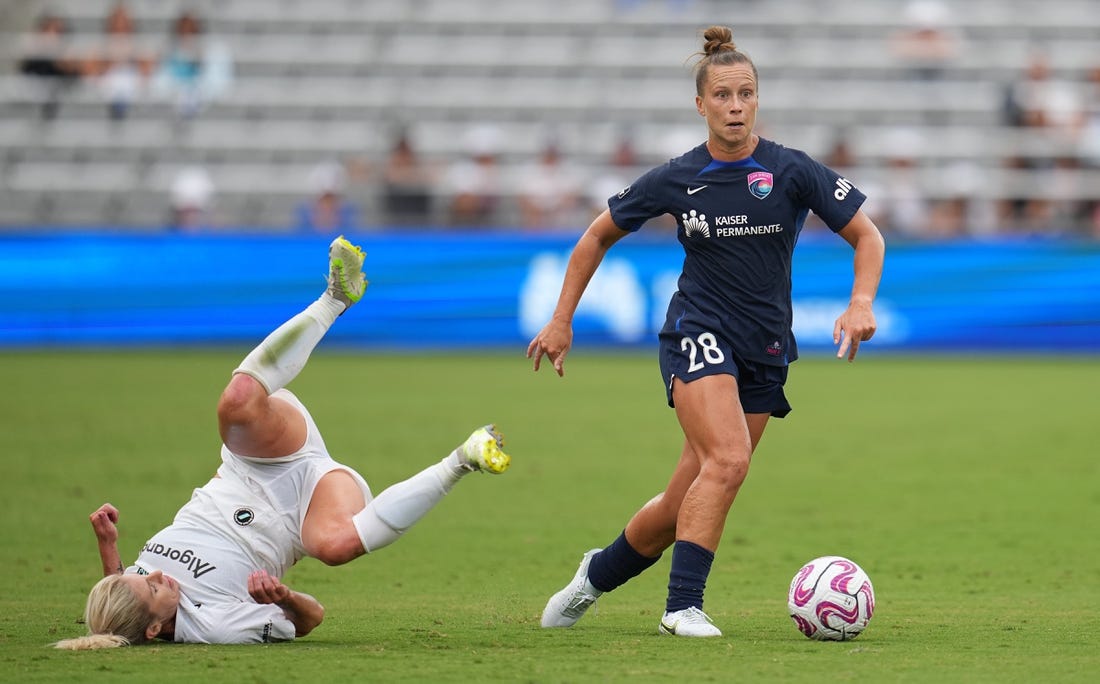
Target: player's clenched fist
(104, 521)
(263, 588)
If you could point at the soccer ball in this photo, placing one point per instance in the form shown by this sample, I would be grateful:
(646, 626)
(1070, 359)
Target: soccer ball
(831, 599)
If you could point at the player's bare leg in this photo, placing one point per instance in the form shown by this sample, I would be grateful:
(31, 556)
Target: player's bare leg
(253, 423)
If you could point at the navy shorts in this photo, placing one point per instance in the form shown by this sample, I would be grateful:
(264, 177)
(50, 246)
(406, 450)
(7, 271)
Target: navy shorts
(690, 354)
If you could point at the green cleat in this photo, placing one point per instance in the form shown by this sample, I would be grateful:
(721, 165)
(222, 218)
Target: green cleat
(482, 451)
(346, 281)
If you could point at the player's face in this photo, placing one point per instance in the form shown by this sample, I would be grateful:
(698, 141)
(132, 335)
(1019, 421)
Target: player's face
(158, 591)
(729, 105)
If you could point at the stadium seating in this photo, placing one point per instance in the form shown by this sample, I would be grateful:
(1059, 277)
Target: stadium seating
(337, 78)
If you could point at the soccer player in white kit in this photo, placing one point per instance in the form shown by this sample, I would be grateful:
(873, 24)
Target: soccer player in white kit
(213, 575)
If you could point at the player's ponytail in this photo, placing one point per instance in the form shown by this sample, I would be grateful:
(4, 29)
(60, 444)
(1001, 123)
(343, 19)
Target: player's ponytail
(91, 641)
(114, 615)
(719, 50)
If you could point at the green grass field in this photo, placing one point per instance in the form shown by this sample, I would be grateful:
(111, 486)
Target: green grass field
(968, 489)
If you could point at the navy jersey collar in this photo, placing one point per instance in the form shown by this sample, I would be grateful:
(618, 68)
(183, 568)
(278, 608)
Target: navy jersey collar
(747, 163)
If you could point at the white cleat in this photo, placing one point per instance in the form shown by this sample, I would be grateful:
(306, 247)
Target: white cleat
(483, 451)
(569, 605)
(689, 622)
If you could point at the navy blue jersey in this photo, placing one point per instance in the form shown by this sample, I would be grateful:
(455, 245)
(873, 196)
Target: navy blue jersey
(738, 223)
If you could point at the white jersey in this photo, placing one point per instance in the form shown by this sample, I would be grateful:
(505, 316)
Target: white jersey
(248, 518)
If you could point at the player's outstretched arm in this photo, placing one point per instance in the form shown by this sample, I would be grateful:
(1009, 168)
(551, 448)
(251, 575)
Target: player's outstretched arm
(105, 525)
(303, 610)
(857, 323)
(556, 337)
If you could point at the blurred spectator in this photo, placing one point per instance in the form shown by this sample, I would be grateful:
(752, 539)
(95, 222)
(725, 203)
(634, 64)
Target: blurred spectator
(1013, 201)
(618, 173)
(904, 207)
(407, 184)
(959, 208)
(928, 44)
(840, 157)
(1060, 209)
(1042, 201)
(473, 185)
(192, 200)
(549, 192)
(195, 69)
(1042, 176)
(328, 211)
(1037, 100)
(120, 64)
(1090, 135)
(45, 57)
(1090, 149)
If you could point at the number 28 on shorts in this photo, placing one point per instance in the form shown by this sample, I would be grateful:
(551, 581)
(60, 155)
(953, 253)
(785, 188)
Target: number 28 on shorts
(702, 350)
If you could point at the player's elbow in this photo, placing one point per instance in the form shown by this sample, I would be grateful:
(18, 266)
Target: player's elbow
(307, 623)
(336, 548)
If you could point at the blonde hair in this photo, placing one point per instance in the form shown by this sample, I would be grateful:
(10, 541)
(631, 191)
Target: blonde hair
(719, 50)
(115, 616)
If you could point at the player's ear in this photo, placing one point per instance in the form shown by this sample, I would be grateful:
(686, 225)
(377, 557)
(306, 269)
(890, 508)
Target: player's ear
(153, 630)
(699, 105)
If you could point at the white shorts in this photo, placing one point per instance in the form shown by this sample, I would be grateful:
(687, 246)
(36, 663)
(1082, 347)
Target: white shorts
(280, 488)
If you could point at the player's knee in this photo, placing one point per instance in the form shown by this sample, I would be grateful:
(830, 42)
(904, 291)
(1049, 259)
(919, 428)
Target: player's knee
(239, 399)
(729, 470)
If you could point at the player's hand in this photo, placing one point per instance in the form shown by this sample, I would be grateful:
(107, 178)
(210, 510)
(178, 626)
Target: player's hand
(855, 325)
(554, 340)
(263, 588)
(104, 522)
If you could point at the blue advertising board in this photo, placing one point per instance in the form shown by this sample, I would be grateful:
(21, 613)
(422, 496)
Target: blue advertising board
(442, 291)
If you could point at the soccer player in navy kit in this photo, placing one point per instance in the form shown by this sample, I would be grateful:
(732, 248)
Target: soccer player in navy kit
(740, 202)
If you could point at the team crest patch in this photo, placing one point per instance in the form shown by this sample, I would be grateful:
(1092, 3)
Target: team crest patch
(760, 184)
(243, 516)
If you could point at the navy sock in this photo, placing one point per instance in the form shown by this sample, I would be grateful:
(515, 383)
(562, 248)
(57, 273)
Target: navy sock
(688, 577)
(619, 562)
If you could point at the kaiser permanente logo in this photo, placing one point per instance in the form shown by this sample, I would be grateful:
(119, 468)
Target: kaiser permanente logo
(725, 226)
(695, 224)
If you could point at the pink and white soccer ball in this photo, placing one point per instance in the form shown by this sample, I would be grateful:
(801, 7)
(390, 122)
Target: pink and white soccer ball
(831, 599)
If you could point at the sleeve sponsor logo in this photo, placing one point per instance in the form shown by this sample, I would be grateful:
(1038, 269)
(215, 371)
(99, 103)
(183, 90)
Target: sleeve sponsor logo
(843, 187)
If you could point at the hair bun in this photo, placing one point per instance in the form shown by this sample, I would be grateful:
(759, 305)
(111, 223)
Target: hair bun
(718, 39)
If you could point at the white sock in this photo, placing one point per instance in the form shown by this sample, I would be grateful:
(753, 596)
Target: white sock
(283, 354)
(400, 506)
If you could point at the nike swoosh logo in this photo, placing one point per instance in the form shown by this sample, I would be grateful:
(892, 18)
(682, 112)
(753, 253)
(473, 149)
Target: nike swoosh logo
(692, 191)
